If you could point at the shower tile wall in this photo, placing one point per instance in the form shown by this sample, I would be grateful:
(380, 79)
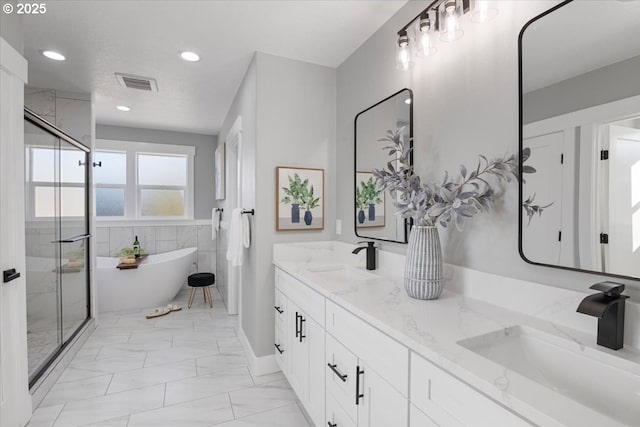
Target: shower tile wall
(159, 239)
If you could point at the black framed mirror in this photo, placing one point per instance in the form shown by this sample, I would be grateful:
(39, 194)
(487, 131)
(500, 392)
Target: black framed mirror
(580, 138)
(374, 212)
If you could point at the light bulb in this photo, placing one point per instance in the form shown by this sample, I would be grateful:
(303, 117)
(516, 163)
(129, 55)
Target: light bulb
(425, 42)
(403, 52)
(483, 12)
(451, 32)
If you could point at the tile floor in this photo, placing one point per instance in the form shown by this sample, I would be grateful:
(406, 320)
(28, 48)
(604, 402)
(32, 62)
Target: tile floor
(186, 369)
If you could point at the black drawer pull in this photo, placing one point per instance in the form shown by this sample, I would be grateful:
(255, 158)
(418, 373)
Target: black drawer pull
(297, 327)
(302, 320)
(9, 275)
(334, 368)
(278, 309)
(358, 394)
(332, 424)
(279, 349)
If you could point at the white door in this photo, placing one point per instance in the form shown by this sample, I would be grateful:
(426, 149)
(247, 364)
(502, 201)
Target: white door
(540, 236)
(15, 402)
(380, 405)
(623, 251)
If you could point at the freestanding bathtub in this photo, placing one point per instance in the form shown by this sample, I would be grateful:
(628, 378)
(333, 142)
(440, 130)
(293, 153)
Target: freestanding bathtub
(153, 284)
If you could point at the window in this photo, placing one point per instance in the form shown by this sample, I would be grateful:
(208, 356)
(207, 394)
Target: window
(45, 179)
(143, 180)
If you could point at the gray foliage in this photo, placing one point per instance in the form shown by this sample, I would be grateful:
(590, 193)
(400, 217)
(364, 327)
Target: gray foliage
(450, 200)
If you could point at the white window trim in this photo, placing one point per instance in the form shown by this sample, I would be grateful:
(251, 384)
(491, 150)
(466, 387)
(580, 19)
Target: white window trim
(132, 212)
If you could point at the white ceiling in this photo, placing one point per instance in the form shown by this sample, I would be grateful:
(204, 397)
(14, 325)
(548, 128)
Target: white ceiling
(143, 38)
(577, 38)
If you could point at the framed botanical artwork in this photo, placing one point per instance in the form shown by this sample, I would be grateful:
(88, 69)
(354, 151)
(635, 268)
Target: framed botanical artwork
(299, 199)
(370, 207)
(219, 172)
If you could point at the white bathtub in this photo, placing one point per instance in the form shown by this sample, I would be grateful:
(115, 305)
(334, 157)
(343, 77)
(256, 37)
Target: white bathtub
(153, 284)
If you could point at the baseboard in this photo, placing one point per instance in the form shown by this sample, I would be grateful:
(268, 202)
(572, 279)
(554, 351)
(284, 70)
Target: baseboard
(258, 365)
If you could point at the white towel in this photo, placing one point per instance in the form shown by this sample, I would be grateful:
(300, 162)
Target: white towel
(246, 231)
(214, 220)
(216, 217)
(235, 238)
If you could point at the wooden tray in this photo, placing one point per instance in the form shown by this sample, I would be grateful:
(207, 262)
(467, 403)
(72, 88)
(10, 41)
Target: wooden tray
(139, 261)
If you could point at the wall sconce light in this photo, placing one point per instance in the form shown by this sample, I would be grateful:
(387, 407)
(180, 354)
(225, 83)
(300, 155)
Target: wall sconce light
(418, 37)
(403, 51)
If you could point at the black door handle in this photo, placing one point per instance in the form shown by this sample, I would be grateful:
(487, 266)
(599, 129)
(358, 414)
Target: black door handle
(278, 309)
(302, 320)
(334, 368)
(73, 239)
(358, 394)
(279, 349)
(9, 275)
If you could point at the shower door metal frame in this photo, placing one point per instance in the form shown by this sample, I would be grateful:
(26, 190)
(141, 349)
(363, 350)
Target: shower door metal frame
(39, 122)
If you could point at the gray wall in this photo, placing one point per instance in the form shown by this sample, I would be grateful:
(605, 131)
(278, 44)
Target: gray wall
(12, 28)
(606, 84)
(288, 118)
(244, 105)
(203, 162)
(465, 104)
(296, 127)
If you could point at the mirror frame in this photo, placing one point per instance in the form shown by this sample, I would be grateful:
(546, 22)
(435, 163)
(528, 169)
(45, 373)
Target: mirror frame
(520, 163)
(407, 223)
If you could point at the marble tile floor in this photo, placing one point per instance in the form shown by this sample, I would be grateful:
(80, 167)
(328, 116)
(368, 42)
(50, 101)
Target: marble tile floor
(186, 369)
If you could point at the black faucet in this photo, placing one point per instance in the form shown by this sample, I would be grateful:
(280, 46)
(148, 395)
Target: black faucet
(371, 254)
(608, 307)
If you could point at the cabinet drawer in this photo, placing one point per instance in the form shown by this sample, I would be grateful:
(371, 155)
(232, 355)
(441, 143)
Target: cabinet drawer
(451, 402)
(341, 375)
(336, 415)
(280, 309)
(297, 292)
(386, 356)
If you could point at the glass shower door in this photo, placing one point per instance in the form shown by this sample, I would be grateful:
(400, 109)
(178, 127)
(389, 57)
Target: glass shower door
(57, 241)
(42, 250)
(74, 232)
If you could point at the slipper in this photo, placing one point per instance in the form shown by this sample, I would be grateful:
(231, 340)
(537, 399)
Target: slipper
(173, 307)
(158, 312)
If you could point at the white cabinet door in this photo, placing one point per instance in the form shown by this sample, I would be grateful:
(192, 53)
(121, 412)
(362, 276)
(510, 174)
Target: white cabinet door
(379, 404)
(418, 419)
(307, 362)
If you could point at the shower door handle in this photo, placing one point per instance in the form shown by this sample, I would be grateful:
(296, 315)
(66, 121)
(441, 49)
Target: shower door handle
(73, 239)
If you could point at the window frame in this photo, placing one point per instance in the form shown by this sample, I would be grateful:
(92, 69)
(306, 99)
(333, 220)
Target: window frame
(132, 202)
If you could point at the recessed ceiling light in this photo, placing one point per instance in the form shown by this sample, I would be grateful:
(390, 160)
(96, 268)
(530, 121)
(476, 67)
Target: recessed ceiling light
(123, 108)
(407, 101)
(190, 56)
(52, 54)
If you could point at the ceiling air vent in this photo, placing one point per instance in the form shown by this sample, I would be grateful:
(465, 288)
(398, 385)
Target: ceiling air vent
(137, 82)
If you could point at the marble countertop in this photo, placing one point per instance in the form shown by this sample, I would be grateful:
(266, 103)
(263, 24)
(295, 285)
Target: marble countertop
(433, 329)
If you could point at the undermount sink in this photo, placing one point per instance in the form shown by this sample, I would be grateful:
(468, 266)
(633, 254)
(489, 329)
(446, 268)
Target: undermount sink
(596, 379)
(342, 272)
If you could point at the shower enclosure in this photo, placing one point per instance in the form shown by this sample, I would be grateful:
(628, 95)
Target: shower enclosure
(57, 240)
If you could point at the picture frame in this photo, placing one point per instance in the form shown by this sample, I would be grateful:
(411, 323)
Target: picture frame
(299, 199)
(219, 166)
(373, 214)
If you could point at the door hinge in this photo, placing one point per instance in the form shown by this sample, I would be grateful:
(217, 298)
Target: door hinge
(560, 236)
(604, 154)
(604, 238)
(562, 159)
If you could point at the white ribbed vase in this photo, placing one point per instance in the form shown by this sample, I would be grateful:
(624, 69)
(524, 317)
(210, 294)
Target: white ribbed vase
(423, 270)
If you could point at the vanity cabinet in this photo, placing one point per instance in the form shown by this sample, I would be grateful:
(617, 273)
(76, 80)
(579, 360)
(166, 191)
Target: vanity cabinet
(347, 373)
(356, 355)
(448, 401)
(299, 342)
